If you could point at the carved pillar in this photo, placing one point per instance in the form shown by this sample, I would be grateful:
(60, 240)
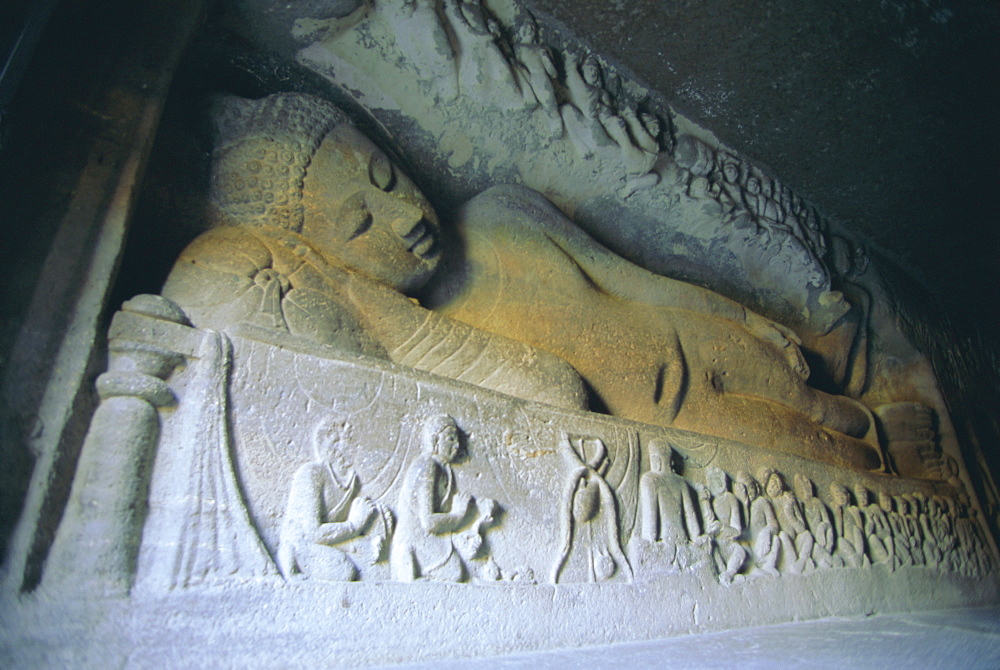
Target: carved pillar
(98, 539)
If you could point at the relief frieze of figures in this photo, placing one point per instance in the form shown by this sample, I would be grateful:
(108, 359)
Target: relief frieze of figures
(341, 493)
(737, 527)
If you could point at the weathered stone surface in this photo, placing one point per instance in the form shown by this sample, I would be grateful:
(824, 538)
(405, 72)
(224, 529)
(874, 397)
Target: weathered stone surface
(498, 414)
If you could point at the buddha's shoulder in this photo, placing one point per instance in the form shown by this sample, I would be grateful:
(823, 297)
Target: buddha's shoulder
(224, 242)
(512, 206)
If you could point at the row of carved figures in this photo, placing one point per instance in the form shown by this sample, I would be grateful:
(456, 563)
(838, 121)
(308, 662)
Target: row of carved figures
(511, 68)
(747, 196)
(762, 526)
(436, 532)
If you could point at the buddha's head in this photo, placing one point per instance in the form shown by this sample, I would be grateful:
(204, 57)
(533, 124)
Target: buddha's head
(295, 162)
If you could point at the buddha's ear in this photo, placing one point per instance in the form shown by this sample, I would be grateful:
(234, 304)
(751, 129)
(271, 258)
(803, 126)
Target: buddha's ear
(381, 172)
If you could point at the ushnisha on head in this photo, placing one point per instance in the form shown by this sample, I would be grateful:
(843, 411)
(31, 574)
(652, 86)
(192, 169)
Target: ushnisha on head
(294, 161)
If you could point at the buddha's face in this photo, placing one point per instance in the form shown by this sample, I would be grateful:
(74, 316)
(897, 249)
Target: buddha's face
(361, 211)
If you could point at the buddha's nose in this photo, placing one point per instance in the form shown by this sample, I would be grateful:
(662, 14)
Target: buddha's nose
(406, 220)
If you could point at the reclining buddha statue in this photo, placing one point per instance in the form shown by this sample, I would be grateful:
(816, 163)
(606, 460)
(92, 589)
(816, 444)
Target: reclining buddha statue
(322, 237)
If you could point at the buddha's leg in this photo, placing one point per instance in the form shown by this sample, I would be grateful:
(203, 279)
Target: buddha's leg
(764, 423)
(733, 360)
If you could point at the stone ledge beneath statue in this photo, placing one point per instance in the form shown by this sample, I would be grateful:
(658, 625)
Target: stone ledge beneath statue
(270, 623)
(952, 638)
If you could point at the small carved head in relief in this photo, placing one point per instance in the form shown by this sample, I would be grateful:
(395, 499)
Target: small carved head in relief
(774, 485)
(294, 161)
(527, 32)
(885, 501)
(839, 495)
(330, 447)
(746, 487)
(591, 71)
(440, 438)
(661, 456)
(718, 481)
(804, 487)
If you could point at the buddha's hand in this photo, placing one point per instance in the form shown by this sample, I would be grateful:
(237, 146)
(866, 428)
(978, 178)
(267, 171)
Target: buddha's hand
(784, 340)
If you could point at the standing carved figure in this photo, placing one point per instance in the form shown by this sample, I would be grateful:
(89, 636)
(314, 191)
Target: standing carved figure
(976, 560)
(796, 540)
(667, 511)
(587, 102)
(932, 549)
(485, 71)
(589, 549)
(538, 70)
(440, 529)
(820, 524)
(848, 522)
(327, 515)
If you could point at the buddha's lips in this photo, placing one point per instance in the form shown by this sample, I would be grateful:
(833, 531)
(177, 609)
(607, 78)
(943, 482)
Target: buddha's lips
(424, 246)
(422, 236)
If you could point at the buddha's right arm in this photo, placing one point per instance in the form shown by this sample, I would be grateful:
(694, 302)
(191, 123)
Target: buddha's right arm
(453, 349)
(422, 339)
